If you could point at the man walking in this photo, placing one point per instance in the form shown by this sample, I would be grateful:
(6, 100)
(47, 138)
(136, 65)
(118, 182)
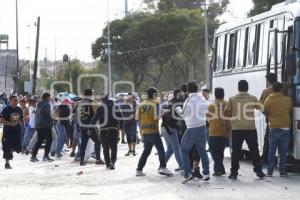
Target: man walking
(43, 125)
(241, 110)
(148, 117)
(12, 119)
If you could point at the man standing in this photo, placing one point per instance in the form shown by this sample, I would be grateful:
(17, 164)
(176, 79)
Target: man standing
(194, 114)
(43, 125)
(279, 109)
(218, 131)
(148, 117)
(108, 115)
(12, 119)
(87, 111)
(271, 79)
(241, 110)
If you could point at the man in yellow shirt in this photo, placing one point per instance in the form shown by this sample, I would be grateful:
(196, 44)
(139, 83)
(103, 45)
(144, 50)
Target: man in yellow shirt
(148, 117)
(271, 79)
(279, 109)
(218, 131)
(241, 110)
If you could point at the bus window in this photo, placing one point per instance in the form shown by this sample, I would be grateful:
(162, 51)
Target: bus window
(251, 46)
(220, 54)
(256, 43)
(226, 58)
(265, 43)
(215, 53)
(237, 63)
(245, 42)
(260, 60)
(279, 42)
(231, 51)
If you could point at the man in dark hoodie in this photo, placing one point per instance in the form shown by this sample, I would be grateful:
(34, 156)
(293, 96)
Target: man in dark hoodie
(109, 116)
(43, 125)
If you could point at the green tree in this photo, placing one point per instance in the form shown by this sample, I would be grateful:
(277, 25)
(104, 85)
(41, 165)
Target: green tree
(263, 6)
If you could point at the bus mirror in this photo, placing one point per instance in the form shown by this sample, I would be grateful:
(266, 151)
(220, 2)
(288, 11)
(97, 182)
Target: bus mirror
(290, 64)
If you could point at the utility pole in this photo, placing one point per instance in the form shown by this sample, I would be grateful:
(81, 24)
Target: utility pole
(17, 47)
(36, 56)
(126, 8)
(207, 69)
(109, 51)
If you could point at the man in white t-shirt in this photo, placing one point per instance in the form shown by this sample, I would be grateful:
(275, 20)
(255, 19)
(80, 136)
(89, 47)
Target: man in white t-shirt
(31, 127)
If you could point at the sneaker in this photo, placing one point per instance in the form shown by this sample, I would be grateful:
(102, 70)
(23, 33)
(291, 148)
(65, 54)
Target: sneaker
(8, 166)
(100, 162)
(47, 158)
(59, 155)
(52, 154)
(178, 169)
(128, 153)
(34, 159)
(219, 173)
(232, 176)
(82, 163)
(165, 171)
(269, 175)
(72, 154)
(140, 173)
(187, 178)
(283, 174)
(196, 173)
(205, 178)
(134, 153)
(112, 166)
(260, 174)
(26, 152)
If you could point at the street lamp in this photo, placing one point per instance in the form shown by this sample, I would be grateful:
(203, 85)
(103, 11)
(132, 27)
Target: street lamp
(207, 68)
(109, 51)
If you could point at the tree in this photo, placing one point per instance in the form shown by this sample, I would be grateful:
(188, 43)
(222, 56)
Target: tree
(263, 6)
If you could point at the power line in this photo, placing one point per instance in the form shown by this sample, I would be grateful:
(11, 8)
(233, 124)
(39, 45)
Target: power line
(158, 46)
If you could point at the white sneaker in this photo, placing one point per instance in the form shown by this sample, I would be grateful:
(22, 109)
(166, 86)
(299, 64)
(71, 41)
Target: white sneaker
(140, 173)
(205, 178)
(165, 171)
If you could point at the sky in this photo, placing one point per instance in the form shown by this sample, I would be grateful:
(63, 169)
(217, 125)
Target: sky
(71, 26)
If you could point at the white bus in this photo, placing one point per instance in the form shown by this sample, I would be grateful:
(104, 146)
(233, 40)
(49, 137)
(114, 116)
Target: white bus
(249, 49)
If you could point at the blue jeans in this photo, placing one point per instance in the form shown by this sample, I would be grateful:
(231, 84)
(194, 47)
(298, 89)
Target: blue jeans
(27, 137)
(194, 136)
(173, 146)
(149, 141)
(281, 139)
(217, 146)
(62, 138)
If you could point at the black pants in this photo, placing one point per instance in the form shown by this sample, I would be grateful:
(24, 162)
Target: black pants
(264, 156)
(194, 156)
(151, 140)
(11, 141)
(238, 137)
(217, 146)
(109, 139)
(43, 134)
(86, 134)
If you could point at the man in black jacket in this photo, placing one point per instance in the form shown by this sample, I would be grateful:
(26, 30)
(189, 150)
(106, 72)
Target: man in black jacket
(87, 111)
(109, 116)
(43, 125)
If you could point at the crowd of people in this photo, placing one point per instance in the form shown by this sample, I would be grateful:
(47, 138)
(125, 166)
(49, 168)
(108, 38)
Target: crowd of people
(185, 118)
